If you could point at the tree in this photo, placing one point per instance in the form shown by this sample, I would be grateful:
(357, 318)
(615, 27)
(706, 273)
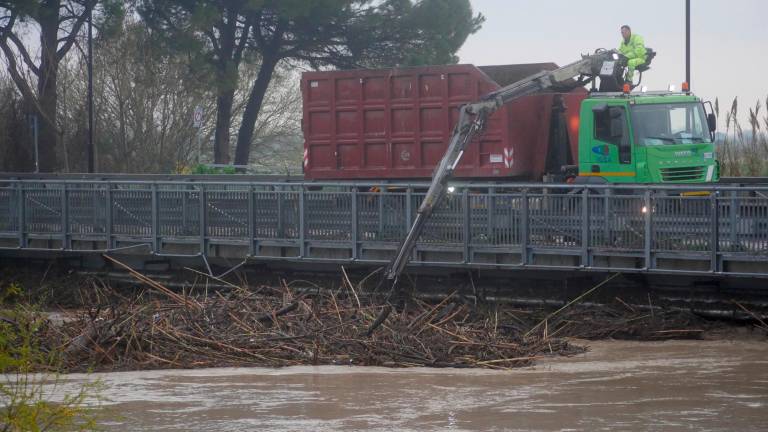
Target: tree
(146, 99)
(215, 35)
(58, 23)
(317, 33)
(438, 29)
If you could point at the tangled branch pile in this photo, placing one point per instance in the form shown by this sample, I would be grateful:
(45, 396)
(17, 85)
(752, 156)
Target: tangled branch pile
(282, 326)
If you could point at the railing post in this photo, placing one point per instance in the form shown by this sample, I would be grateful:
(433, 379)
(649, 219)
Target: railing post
(607, 216)
(585, 261)
(467, 222)
(302, 223)
(95, 204)
(408, 208)
(252, 246)
(203, 229)
(354, 233)
(65, 217)
(715, 233)
(20, 213)
(380, 203)
(733, 219)
(155, 220)
(491, 214)
(648, 237)
(108, 216)
(524, 219)
(280, 194)
(185, 195)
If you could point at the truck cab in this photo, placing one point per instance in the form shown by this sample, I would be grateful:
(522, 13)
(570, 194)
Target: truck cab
(660, 137)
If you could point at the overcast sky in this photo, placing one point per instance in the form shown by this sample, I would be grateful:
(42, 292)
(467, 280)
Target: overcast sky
(729, 55)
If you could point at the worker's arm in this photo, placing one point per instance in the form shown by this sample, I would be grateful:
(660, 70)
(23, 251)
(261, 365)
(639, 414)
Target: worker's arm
(626, 50)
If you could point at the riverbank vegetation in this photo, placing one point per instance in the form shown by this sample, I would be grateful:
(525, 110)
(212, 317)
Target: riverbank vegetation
(30, 395)
(743, 152)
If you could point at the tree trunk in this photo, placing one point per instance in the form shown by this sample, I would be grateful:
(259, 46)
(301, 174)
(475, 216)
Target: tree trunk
(224, 103)
(227, 83)
(47, 85)
(252, 109)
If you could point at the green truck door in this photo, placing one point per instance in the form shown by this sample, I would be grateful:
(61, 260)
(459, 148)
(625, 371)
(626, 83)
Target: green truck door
(610, 151)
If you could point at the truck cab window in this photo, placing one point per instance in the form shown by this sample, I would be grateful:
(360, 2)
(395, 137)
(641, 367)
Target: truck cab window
(670, 124)
(610, 125)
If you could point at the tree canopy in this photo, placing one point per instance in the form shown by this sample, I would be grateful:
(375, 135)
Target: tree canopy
(316, 33)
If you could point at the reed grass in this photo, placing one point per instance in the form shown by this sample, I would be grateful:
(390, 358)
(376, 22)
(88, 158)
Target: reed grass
(743, 153)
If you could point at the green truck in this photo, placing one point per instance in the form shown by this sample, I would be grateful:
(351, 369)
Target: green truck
(659, 137)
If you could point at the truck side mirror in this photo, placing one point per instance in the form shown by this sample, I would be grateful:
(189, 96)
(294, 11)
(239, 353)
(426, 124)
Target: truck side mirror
(712, 122)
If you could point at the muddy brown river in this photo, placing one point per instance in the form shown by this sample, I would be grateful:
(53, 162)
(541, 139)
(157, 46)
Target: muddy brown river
(664, 386)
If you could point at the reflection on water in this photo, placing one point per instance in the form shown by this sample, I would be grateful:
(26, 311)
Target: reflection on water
(691, 385)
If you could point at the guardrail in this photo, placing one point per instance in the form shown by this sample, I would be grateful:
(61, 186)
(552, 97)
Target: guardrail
(697, 229)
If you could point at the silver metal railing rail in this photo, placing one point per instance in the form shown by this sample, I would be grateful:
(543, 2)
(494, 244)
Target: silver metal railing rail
(479, 225)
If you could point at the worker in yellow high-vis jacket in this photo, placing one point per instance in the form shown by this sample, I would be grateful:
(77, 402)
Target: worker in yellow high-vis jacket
(633, 48)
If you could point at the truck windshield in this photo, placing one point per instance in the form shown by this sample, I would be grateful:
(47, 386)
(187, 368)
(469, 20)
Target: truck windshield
(673, 123)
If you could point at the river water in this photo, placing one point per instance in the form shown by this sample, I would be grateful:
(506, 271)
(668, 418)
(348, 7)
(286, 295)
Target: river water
(662, 386)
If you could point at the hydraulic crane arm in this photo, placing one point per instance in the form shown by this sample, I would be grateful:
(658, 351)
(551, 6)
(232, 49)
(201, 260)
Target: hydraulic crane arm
(472, 121)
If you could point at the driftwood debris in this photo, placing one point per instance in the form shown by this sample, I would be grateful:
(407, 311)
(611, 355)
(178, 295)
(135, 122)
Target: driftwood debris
(150, 326)
(274, 326)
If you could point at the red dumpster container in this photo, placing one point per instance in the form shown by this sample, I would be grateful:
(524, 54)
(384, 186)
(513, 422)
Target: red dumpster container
(396, 123)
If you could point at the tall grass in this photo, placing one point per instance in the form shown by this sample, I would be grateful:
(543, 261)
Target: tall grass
(744, 153)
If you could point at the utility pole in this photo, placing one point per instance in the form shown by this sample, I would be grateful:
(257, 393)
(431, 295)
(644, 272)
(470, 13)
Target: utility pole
(688, 42)
(34, 130)
(90, 93)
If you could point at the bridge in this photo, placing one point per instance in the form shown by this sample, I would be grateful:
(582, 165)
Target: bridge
(712, 231)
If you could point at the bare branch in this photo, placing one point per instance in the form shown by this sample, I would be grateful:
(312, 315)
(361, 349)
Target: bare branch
(5, 31)
(19, 80)
(70, 39)
(68, 7)
(243, 42)
(214, 42)
(24, 53)
(80, 49)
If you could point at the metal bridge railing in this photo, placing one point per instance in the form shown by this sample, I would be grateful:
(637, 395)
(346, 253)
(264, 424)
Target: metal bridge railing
(479, 225)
